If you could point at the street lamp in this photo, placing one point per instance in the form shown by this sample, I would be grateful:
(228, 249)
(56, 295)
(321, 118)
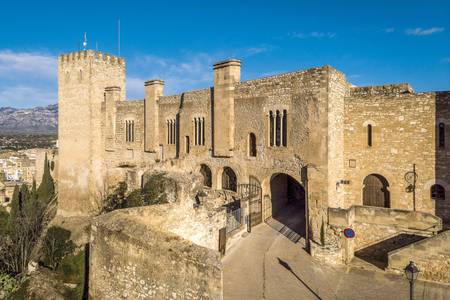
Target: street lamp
(411, 272)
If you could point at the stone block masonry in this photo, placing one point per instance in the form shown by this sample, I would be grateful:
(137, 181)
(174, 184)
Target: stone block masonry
(134, 260)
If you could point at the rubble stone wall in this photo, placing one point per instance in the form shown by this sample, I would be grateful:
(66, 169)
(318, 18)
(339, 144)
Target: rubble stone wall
(134, 260)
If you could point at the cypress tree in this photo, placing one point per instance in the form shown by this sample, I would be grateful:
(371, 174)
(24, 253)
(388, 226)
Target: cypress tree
(46, 189)
(15, 205)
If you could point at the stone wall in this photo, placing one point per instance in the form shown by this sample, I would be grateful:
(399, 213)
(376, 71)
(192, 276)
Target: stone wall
(131, 259)
(431, 255)
(375, 224)
(404, 133)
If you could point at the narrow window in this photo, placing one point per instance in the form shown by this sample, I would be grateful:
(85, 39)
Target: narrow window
(252, 144)
(437, 192)
(369, 135)
(168, 132)
(271, 125)
(441, 135)
(278, 129)
(203, 131)
(186, 144)
(195, 132)
(199, 131)
(284, 133)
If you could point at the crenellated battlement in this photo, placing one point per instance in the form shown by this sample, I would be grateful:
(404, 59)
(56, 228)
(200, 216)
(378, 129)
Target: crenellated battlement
(96, 55)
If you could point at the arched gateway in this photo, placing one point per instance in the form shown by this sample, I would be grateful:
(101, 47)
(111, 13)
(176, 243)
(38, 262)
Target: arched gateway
(288, 202)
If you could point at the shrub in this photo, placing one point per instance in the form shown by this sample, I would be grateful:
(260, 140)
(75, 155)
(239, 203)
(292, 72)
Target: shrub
(10, 286)
(72, 270)
(116, 199)
(158, 189)
(56, 246)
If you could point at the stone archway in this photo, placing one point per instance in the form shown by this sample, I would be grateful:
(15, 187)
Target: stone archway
(376, 191)
(207, 175)
(229, 179)
(288, 203)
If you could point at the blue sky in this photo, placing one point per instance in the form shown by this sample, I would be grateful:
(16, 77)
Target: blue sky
(375, 42)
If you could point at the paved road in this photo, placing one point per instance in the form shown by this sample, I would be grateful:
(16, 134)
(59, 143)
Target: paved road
(267, 265)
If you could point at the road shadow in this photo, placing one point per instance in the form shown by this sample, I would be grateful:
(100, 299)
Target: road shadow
(288, 267)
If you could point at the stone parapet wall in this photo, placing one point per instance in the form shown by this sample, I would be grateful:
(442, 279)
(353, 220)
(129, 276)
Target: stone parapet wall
(375, 224)
(134, 260)
(431, 255)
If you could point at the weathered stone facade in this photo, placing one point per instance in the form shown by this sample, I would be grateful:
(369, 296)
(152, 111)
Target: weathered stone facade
(312, 125)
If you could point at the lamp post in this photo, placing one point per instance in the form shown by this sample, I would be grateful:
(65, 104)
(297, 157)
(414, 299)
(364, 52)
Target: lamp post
(411, 272)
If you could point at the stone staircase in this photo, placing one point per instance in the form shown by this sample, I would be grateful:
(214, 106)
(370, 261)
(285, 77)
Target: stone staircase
(284, 230)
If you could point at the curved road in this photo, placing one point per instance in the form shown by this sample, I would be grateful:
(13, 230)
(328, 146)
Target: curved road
(265, 264)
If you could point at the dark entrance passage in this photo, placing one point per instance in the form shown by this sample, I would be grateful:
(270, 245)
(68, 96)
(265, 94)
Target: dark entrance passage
(288, 205)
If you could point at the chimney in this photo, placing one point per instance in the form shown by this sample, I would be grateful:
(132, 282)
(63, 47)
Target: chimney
(226, 74)
(153, 90)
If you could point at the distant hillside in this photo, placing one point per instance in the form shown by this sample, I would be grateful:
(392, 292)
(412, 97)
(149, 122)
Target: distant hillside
(43, 120)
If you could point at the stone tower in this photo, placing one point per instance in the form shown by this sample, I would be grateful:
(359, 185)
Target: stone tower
(226, 74)
(82, 79)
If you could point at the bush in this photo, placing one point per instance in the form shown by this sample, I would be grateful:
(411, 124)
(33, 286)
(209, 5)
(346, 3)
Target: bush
(72, 270)
(56, 246)
(4, 219)
(10, 286)
(116, 199)
(158, 189)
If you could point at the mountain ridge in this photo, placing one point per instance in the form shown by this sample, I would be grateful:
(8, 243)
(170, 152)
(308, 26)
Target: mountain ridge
(35, 120)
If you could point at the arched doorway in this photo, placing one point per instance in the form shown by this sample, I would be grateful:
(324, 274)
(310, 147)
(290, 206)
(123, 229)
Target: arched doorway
(288, 203)
(376, 191)
(229, 179)
(207, 175)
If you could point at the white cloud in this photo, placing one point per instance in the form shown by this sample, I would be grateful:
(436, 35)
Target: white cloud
(389, 30)
(421, 32)
(27, 79)
(446, 60)
(27, 63)
(191, 71)
(26, 96)
(312, 34)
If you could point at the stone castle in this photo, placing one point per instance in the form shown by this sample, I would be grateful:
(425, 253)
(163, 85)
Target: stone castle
(347, 154)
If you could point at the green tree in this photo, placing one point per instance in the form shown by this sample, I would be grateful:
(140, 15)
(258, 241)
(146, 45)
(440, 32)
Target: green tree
(16, 205)
(46, 190)
(56, 246)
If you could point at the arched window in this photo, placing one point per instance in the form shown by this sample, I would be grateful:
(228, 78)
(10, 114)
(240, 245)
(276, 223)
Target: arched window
(441, 135)
(80, 75)
(375, 191)
(206, 173)
(252, 144)
(278, 128)
(129, 130)
(171, 131)
(437, 192)
(271, 126)
(199, 131)
(229, 180)
(369, 135)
